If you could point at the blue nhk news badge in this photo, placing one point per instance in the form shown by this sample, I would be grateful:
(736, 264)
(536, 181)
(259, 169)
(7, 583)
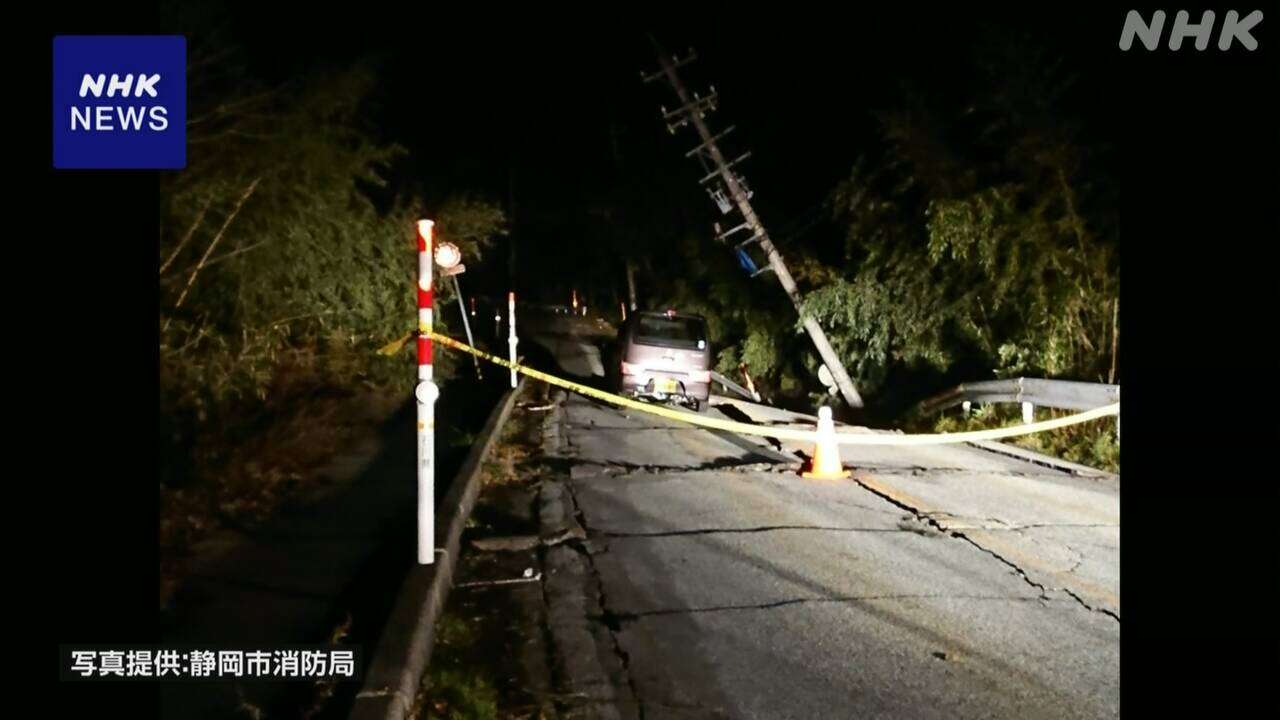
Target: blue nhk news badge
(120, 102)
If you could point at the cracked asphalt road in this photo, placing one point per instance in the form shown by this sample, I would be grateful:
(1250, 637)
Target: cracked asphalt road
(937, 582)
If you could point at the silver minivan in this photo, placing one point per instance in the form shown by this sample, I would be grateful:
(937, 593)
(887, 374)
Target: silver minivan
(665, 356)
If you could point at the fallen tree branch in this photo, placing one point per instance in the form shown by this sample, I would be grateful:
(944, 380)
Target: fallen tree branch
(191, 231)
(214, 243)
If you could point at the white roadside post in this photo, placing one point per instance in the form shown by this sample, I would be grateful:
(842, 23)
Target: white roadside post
(1028, 413)
(426, 393)
(1117, 417)
(511, 333)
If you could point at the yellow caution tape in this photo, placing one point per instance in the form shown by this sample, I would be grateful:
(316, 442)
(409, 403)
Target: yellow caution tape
(785, 433)
(396, 345)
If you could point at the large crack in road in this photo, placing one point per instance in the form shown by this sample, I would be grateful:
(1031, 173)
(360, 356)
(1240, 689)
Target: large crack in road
(608, 617)
(954, 532)
(676, 605)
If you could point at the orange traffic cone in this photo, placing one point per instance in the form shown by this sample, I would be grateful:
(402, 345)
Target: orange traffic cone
(826, 454)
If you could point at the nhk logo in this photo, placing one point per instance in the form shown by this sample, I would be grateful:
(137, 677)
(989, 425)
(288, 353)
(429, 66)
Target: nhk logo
(119, 101)
(100, 117)
(1233, 29)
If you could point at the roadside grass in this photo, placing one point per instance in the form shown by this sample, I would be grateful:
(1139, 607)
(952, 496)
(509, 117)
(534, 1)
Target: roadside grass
(455, 687)
(1092, 443)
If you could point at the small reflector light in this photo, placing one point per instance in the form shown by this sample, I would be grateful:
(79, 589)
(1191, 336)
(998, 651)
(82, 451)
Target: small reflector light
(448, 255)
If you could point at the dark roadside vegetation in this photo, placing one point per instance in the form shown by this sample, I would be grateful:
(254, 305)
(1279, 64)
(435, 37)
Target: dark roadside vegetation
(286, 261)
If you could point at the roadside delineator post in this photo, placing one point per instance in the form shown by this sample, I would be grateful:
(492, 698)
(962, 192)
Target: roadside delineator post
(826, 453)
(1117, 417)
(511, 333)
(426, 394)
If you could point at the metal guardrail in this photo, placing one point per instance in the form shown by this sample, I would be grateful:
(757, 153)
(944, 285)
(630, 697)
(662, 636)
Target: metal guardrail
(1062, 394)
(731, 385)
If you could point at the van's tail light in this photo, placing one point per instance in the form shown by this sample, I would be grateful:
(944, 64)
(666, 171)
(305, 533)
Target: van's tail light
(702, 376)
(629, 369)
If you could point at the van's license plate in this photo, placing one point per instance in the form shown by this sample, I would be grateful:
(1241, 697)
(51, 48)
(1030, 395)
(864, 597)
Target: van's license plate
(665, 385)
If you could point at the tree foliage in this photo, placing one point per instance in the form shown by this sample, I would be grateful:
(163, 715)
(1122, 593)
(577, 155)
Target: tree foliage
(276, 229)
(984, 231)
(284, 253)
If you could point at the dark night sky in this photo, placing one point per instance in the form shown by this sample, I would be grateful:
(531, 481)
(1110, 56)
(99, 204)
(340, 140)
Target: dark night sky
(529, 110)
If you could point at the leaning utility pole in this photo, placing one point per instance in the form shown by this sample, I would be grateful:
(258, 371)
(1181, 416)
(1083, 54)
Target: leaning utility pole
(693, 110)
(631, 283)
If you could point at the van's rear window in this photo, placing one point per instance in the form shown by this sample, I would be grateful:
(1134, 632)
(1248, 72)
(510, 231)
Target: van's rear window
(674, 331)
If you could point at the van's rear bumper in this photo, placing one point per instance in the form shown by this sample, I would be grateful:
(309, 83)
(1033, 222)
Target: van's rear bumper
(643, 386)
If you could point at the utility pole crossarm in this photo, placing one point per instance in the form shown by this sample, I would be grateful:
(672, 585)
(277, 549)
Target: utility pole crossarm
(711, 175)
(708, 142)
(741, 197)
(675, 63)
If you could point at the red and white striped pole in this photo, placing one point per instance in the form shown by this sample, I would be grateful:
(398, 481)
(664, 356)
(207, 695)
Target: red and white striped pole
(426, 393)
(511, 332)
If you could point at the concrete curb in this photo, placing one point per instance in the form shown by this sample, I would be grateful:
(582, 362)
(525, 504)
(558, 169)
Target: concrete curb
(395, 671)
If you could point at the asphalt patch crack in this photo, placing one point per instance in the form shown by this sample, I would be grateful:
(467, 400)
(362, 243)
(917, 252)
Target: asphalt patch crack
(721, 464)
(729, 531)
(930, 519)
(557, 678)
(919, 470)
(622, 618)
(609, 617)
